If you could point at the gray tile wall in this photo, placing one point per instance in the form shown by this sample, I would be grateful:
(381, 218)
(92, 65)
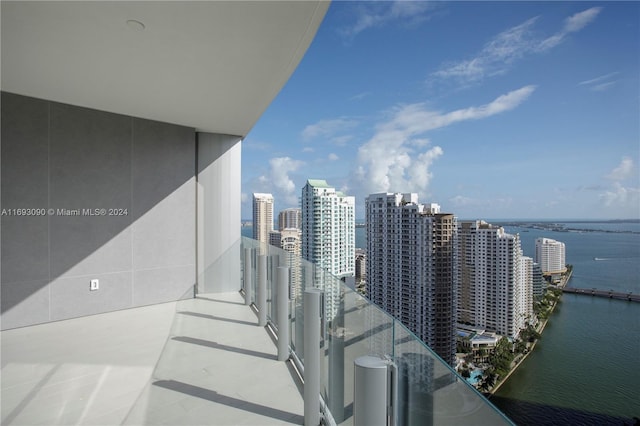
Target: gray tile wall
(57, 156)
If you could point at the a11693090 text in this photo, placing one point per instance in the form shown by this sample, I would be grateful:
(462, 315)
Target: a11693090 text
(65, 212)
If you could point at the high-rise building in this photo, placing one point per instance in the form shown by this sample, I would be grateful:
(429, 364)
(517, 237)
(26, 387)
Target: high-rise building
(524, 292)
(495, 279)
(328, 228)
(290, 218)
(361, 268)
(262, 217)
(538, 281)
(412, 268)
(550, 255)
(328, 238)
(291, 242)
(275, 238)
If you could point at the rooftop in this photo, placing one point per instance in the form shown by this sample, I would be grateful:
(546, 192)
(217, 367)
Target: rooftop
(318, 183)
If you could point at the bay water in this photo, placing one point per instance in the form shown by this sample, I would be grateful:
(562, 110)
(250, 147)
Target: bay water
(585, 370)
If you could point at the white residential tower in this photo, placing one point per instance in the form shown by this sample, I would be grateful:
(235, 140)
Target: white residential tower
(495, 279)
(550, 255)
(262, 217)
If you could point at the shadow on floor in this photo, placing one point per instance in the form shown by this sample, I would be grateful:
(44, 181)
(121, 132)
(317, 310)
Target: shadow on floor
(295, 377)
(30, 396)
(215, 318)
(240, 404)
(216, 345)
(220, 301)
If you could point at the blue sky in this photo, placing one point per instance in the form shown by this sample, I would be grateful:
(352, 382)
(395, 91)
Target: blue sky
(490, 109)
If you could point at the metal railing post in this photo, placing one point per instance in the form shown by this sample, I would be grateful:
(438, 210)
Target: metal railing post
(312, 356)
(335, 399)
(371, 392)
(282, 297)
(246, 276)
(262, 290)
(273, 280)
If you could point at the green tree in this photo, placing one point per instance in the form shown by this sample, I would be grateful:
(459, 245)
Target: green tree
(502, 357)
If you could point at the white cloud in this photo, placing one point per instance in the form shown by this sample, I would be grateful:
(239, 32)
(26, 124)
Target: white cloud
(603, 86)
(377, 14)
(327, 128)
(359, 96)
(598, 79)
(600, 83)
(420, 172)
(420, 142)
(623, 171)
(580, 20)
(308, 149)
(333, 157)
(278, 178)
(621, 197)
(624, 200)
(389, 161)
(495, 56)
(499, 53)
(572, 24)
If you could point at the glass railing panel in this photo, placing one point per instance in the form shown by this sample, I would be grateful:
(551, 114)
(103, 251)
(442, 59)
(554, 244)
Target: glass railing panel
(305, 271)
(276, 259)
(223, 275)
(429, 392)
(256, 248)
(354, 328)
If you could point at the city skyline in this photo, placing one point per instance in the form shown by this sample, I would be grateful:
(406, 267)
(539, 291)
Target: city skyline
(532, 113)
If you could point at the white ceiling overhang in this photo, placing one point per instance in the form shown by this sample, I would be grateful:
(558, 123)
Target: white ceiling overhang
(211, 65)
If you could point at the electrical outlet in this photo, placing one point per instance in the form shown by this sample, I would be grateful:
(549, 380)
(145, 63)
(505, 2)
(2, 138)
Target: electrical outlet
(95, 285)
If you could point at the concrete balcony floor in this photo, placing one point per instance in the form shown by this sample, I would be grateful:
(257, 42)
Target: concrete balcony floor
(194, 362)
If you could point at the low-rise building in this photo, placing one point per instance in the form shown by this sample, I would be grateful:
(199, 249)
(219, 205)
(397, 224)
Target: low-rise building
(478, 342)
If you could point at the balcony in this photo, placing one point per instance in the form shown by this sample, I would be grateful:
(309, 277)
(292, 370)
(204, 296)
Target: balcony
(217, 365)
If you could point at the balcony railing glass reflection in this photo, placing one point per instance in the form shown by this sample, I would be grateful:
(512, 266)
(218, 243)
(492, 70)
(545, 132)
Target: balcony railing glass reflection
(429, 391)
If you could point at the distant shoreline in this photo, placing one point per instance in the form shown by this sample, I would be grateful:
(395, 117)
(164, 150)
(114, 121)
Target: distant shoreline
(520, 221)
(560, 227)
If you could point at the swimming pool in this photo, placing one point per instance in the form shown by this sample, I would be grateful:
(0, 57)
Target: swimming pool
(476, 376)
